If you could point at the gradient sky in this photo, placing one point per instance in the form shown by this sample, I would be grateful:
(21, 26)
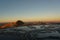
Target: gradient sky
(29, 10)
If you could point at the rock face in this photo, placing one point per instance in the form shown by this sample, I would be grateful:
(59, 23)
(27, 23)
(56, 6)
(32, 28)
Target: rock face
(19, 23)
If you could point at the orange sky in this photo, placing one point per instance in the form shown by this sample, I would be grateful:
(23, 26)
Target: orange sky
(44, 19)
(30, 10)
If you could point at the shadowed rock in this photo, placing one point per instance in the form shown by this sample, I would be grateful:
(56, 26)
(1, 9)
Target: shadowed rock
(19, 23)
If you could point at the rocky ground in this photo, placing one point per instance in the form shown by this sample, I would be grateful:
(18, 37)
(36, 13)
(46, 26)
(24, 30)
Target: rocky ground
(25, 36)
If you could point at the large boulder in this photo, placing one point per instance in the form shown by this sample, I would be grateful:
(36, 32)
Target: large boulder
(19, 23)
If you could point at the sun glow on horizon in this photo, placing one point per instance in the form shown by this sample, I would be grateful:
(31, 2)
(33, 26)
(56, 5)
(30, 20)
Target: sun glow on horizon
(44, 19)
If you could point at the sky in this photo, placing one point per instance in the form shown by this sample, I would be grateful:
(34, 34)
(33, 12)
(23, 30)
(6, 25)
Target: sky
(29, 10)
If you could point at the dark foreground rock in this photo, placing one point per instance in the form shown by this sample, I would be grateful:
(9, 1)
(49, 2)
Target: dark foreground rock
(23, 36)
